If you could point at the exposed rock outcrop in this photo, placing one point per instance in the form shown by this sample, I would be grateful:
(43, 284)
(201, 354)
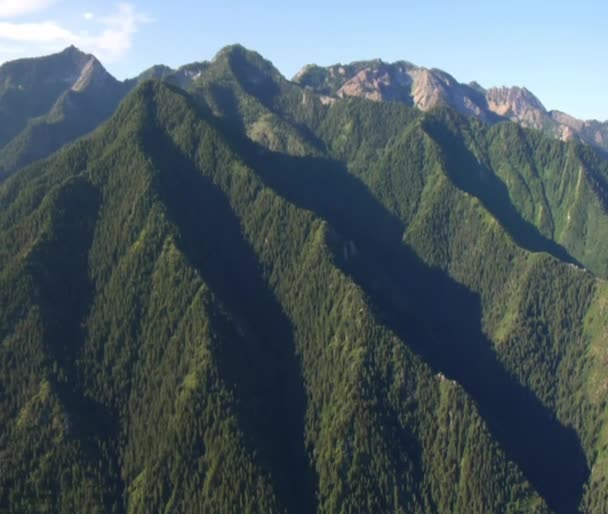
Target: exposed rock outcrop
(427, 89)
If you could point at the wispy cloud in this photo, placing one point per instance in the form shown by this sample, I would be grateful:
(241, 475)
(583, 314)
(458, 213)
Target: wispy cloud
(13, 8)
(46, 32)
(116, 38)
(110, 37)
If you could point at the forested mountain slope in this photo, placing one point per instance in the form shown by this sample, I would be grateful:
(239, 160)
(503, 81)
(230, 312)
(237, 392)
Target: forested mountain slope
(47, 102)
(149, 273)
(242, 298)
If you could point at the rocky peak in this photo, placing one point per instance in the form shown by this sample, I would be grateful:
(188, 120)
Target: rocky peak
(381, 82)
(517, 104)
(402, 81)
(430, 88)
(567, 120)
(92, 75)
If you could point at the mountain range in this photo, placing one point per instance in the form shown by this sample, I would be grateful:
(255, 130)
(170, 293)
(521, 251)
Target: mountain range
(50, 101)
(428, 89)
(350, 292)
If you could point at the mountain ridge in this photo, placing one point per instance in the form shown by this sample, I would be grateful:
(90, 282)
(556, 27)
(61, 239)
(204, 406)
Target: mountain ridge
(429, 88)
(216, 443)
(84, 90)
(324, 306)
(49, 101)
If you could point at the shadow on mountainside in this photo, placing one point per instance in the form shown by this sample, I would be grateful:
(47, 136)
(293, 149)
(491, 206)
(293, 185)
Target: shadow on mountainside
(59, 268)
(261, 364)
(472, 177)
(437, 317)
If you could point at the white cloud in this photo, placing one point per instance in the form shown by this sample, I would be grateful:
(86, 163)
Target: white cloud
(88, 16)
(12, 8)
(109, 38)
(46, 32)
(119, 28)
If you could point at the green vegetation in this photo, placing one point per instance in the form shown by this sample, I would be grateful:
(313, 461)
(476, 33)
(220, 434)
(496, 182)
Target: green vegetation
(239, 299)
(46, 103)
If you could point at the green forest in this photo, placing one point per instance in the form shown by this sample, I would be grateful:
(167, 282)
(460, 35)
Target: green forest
(233, 296)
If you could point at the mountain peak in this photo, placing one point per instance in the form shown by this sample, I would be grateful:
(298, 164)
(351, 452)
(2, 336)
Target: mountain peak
(72, 49)
(517, 103)
(237, 54)
(42, 86)
(256, 74)
(72, 55)
(236, 50)
(477, 86)
(427, 88)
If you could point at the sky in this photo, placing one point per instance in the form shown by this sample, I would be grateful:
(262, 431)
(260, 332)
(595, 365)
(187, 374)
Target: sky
(557, 49)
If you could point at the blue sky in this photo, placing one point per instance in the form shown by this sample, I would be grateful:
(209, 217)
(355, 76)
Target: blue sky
(557, 49)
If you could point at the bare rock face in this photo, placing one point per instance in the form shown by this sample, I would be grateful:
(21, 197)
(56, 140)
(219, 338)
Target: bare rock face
(378, 83)
(423, 88)
(92, 75)
(427, 89)
(517, 104)
(434, 88)
(569, 121)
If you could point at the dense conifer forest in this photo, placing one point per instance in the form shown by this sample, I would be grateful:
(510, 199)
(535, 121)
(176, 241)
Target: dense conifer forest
(234, 296)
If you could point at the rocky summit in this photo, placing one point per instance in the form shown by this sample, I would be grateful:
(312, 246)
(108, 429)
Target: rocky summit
(430, 88)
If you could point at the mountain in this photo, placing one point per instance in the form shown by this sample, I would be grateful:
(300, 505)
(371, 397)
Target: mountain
(142, 298)
(183, 77)
(47, 102)
(431, 88)
(244, 297)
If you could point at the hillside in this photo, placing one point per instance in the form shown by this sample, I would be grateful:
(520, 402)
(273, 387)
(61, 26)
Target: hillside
(245, 298)
(193, 310)
(47, 102)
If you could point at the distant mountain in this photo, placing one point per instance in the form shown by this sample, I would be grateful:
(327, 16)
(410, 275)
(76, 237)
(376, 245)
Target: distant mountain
(431, 88)
(47, 102)
(183, 77)
(157, 72)
(50, 101)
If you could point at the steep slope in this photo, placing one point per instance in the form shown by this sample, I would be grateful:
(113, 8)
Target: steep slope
(541, 195)
(538, 195)
(525, 315)
(50, 101)
(325, 305)
(146, 275)
(547, 194)
(521, 106)
(537, 187)
(430, 88)
(30, 87)
(251, 95)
